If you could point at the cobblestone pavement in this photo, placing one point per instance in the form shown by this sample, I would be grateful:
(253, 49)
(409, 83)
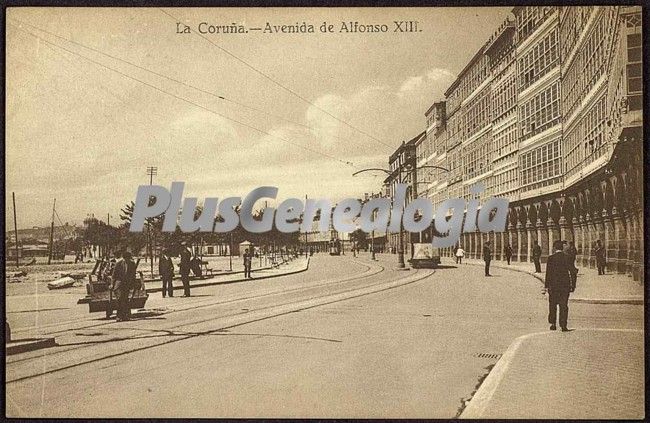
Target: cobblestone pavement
(611, 287)
(583, 374)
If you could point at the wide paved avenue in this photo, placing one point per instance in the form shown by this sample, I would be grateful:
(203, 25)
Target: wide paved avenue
(349, 337)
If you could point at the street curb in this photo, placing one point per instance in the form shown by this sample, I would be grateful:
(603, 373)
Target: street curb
(28, 344)
(198, 285)
(514, 269)
(629, 301)
(481, 399)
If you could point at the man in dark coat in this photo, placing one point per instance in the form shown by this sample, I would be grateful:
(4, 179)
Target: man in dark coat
(123, 278)
(248, 263)
(508, 252)
(600, 257)
(537, 255)
(487, 257)
(572, 253)
(184, 268)
(166, 270)
(559, 283)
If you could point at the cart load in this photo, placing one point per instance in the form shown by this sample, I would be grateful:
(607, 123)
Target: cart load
(99, 295)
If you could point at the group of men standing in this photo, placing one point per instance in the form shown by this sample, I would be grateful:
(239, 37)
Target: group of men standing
(166, 270)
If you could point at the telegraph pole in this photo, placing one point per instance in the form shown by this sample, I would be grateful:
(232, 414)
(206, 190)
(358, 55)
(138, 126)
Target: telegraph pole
(151, 171)
(306, 246)
(13, 196)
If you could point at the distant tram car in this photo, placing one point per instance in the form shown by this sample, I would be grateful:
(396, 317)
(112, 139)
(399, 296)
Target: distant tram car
(335, 247)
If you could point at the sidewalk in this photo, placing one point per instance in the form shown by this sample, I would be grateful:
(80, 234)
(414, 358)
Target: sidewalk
(296, 265)
(611, 288)
(583, 374)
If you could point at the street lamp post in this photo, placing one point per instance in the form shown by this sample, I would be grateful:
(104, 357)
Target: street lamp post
(151, 171)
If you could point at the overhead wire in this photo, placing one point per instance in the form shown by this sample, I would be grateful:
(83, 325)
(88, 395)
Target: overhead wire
(279, 84)
(347, 163)
(178, 81)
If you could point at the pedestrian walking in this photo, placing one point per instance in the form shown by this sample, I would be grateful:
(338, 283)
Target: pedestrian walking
(487, 257)
(559, 283)
(460, 253)
(600, 257)
(166, 271)
(537, 256)
(508, 253)
(572, 253)
(184, 268)
(123, 278)
(248, 261)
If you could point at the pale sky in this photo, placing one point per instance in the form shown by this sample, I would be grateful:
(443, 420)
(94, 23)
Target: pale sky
(83, 134)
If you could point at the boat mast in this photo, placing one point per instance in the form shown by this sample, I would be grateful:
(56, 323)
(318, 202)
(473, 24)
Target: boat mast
(49, 257)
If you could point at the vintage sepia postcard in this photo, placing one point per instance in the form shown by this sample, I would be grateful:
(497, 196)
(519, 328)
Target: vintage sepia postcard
(381, 212)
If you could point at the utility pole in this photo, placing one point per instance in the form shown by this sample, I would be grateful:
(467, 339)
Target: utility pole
(151, 171)
(13, 196)
(306, 246)
(49, 256)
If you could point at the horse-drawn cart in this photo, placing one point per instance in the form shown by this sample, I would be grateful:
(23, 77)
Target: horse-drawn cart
(99, 295)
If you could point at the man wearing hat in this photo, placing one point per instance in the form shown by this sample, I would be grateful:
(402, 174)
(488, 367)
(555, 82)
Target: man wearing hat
(184, 267)
(123, 278)
(166, 271)
(559, 283)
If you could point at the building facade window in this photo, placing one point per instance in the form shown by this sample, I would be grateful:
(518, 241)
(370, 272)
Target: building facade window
(529, 18)
(590, 62)
(585, 140)
(505, 139)
(477, 114)
(538, 60)
(505, 182)
(477, 157)
(572, 22)
(504, 95)
(634, 71)
(540, 112)
(541, 166)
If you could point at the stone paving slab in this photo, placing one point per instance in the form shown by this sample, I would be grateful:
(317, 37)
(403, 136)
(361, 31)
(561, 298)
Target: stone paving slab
(582, 374)
(611, 288)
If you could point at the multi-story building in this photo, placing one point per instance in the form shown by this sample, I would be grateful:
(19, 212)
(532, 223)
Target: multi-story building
(402, 164)
(432, 155)
(548, 113)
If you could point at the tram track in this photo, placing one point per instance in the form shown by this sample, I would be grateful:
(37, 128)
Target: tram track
(196, 304)
(240, 319)
(369, 271)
